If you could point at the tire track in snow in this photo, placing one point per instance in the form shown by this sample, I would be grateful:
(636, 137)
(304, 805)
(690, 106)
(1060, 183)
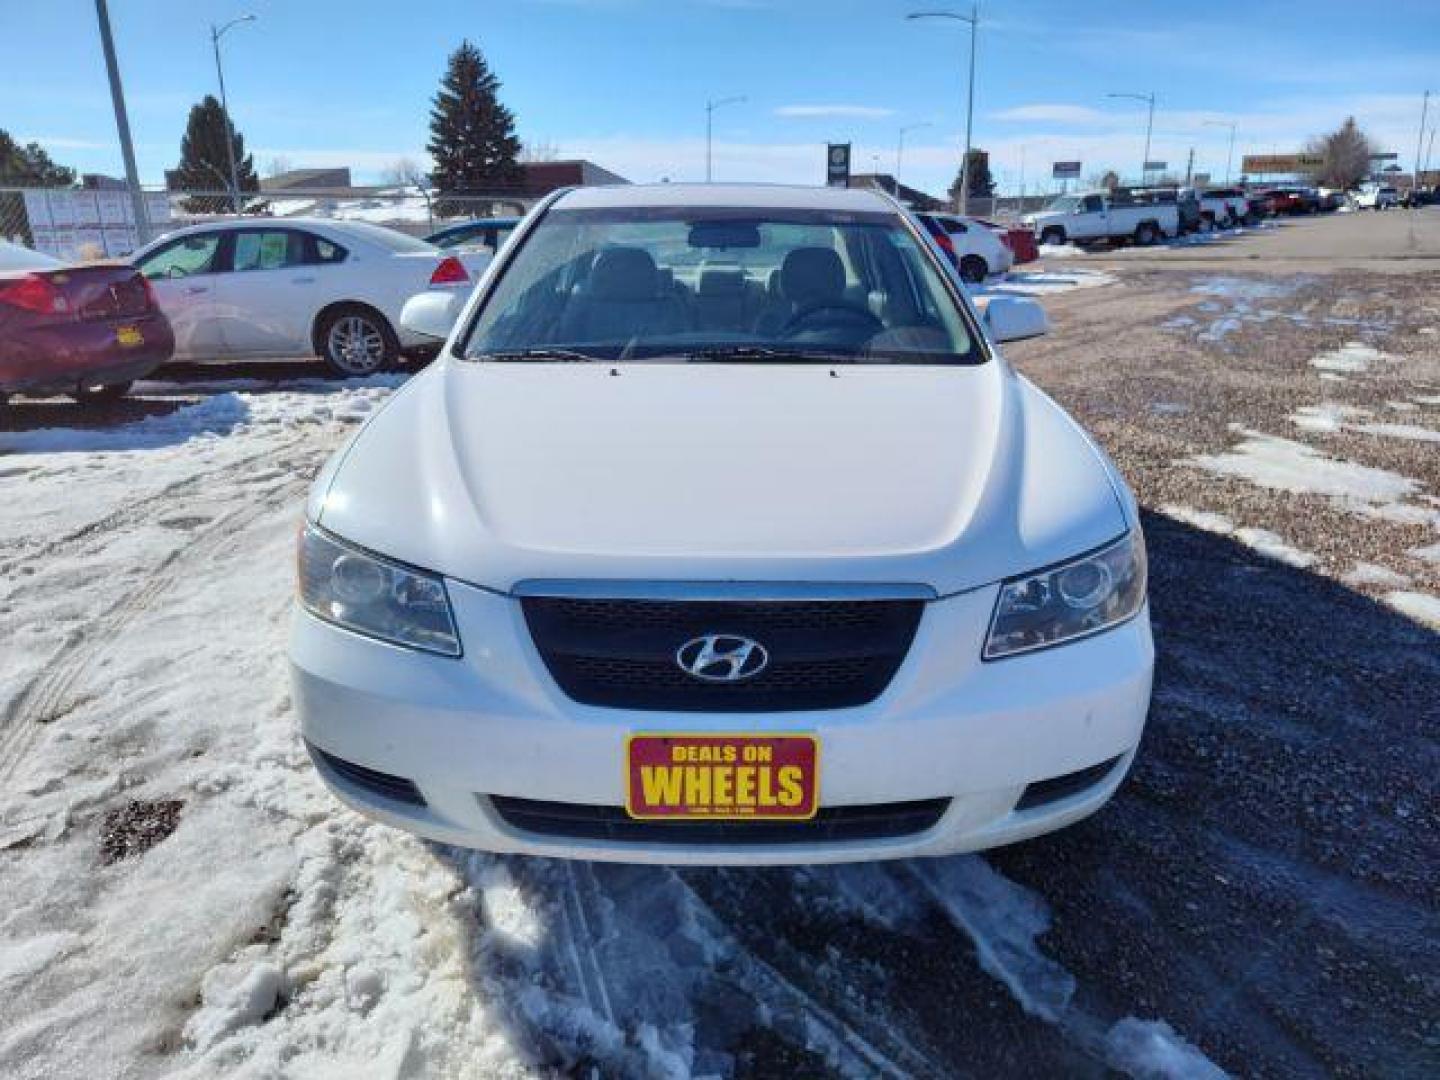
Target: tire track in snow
(636, 968)
(141, 510)
(50, 693)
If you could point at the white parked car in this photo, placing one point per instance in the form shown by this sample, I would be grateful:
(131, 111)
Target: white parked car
(1374, 196)
(722, 532)
(1223, 208)
(288, 287)
(975, 249)
(1097, 215)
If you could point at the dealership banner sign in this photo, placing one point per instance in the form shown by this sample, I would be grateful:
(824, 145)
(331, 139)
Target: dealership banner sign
(1280, 163)
(837, 165)
(1065, 170)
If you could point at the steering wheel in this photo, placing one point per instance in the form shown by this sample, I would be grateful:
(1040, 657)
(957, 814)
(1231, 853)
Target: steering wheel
(861, 318)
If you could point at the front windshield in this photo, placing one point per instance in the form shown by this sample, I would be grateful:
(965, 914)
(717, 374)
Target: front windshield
(722, 285)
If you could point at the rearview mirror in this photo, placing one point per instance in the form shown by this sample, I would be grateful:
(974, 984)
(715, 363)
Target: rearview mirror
(432, 313)
(1014, 318)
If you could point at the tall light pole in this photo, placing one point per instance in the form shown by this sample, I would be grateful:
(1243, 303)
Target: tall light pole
(1420, 145)
(122, 124)
(215, 36)
(710, 107)
(900, 150)
(974, 20)
(1149, 99)
(1229, 154)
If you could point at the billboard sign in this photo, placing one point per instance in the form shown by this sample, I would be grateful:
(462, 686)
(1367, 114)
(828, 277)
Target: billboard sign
(837, 165)
(1065, 170)
(1280, 163)
(1156, 166)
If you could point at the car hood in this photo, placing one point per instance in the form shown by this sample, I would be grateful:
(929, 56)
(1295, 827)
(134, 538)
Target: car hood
(497, 474)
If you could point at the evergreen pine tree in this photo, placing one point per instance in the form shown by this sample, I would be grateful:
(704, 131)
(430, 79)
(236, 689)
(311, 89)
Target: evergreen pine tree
(982, 181)
(204, 164)
(472, 135)
(30, 165)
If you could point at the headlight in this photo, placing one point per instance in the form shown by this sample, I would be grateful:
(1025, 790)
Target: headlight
(373, 596)
(1073, 600)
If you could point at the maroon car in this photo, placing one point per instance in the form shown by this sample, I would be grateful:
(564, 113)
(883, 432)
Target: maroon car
(83, 330)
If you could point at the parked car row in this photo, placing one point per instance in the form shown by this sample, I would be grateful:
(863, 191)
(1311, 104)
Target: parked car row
(230, 290)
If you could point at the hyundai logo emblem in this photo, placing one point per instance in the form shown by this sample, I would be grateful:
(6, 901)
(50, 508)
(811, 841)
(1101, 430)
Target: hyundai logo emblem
(722, 658)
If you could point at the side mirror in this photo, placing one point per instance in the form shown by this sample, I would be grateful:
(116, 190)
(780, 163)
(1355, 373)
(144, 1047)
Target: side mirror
(433, 314)
(1014, 318)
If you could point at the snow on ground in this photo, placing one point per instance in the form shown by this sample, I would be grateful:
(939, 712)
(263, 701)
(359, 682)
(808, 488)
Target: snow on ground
(1422, 607)
(1352, 358)
(1366, 573)
(1332, 417)
(145, 576)
(1262, 541)
(1285, 465)
(1045, 282)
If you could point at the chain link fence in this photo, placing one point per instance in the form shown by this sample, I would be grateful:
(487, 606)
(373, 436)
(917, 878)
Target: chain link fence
(87, 225)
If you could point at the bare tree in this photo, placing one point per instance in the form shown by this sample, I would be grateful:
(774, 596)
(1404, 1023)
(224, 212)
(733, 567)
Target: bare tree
(1346, 152)
(277, 165)
(405, 172)
(539, 151)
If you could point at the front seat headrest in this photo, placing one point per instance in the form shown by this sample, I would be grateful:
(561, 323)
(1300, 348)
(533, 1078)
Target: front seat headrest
(812, 275)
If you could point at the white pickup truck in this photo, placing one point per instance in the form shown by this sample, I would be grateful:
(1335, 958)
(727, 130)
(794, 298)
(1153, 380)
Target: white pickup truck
(1086, 217)
(1223, 208)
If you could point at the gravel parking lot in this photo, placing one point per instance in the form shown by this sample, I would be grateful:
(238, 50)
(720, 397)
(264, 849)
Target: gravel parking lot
(1259, 899)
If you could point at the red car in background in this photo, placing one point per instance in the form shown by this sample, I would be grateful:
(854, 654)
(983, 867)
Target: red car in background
(1020, 241)
(84, 330)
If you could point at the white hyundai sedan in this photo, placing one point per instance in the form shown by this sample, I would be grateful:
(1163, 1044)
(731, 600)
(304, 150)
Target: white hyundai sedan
(721, 532)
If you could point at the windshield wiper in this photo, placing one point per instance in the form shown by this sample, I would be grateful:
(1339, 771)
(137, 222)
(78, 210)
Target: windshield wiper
(563, 356)
(745, 354)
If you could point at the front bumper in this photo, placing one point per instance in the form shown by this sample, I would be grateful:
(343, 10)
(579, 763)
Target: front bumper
(949, 726)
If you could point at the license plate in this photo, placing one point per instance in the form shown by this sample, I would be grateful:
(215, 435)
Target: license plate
(721, 777)
(129, 335)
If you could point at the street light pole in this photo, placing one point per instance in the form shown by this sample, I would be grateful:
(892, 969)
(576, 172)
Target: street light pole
(900, 151)
(974, 20)
(122, 124)
(710, 107)
(215, 36)
(1420, 145)
(1230, 153)
(1149, 127)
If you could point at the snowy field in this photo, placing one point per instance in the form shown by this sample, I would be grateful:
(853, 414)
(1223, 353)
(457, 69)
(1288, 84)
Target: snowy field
(184, 899)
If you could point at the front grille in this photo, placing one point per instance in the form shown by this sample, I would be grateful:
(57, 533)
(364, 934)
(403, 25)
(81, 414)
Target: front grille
(823, 654)
(833, 824)
(1056, 788)
(377, 783)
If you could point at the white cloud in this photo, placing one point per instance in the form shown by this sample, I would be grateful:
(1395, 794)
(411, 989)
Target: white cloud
(1057, 114)
(861, 112)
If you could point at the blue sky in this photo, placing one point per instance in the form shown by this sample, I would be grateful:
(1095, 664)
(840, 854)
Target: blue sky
(624, 82)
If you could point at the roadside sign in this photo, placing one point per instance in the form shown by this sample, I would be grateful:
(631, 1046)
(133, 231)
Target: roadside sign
(1392, 156)
(1202, 179)
(1280, 163)
(837, 165)
(1156, 166)
(1065, 170)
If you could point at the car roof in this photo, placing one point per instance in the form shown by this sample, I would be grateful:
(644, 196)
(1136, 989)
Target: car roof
(740, 196)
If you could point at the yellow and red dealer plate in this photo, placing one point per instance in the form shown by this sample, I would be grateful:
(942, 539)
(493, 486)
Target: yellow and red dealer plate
(129, 335)
(721, 777)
